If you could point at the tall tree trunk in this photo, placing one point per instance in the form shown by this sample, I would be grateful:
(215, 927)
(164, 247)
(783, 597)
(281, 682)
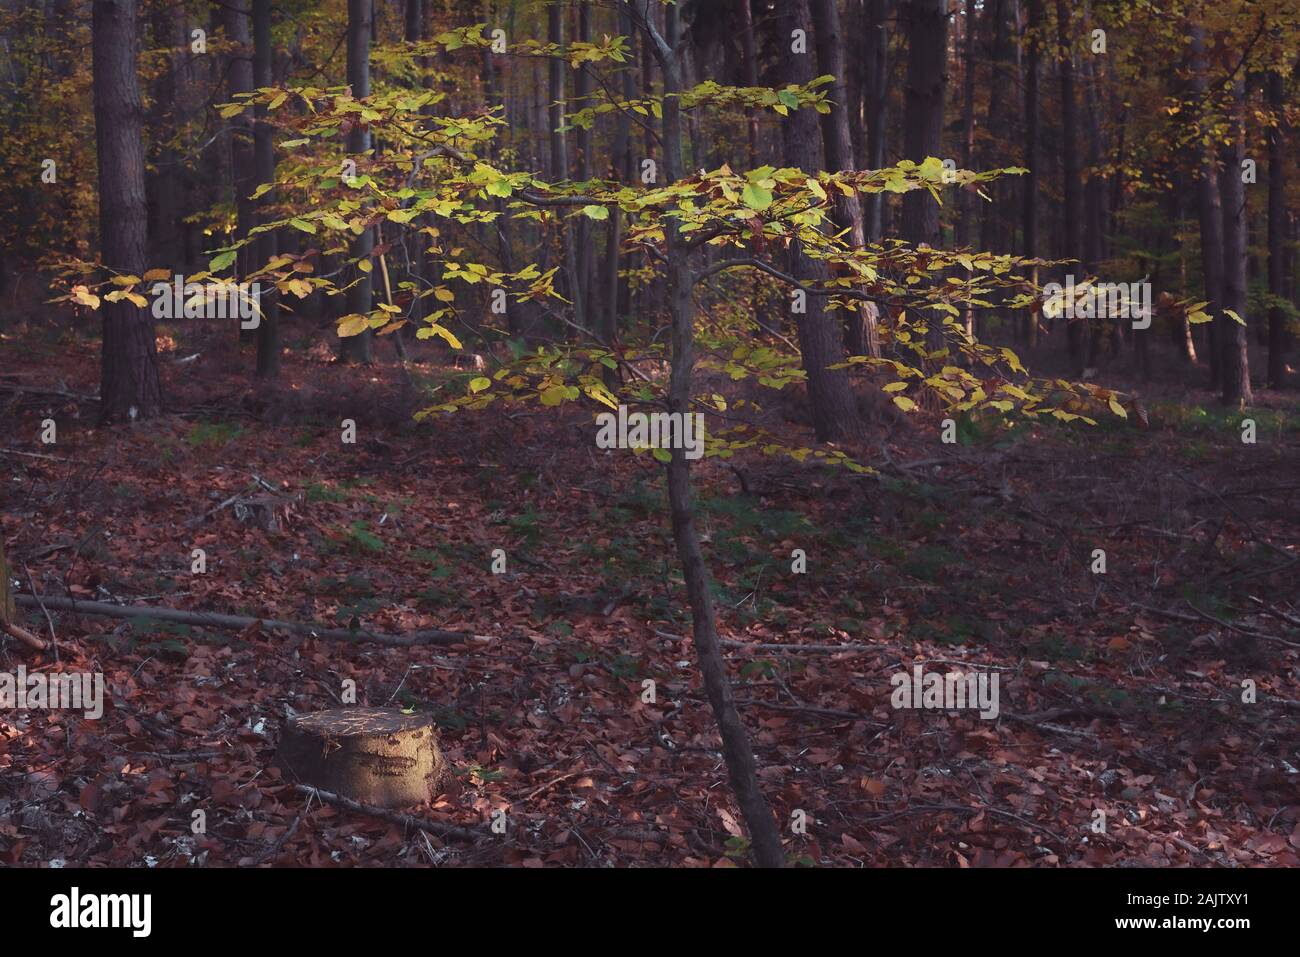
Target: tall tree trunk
(1210, 214)
(965, 201)
(821, 341)
(360, 30)
(583, 90)
(927, 78)
(621, 169)
(413, 32)
(165, 184)
(860, 322)
(880, 15)
(560, 155)
(1033, 158)
(1276, 232)
(1072, 225)
(239, 79)
(739, 755)
(749, 44)
(1236, 364)
(129, 387)
(268, 330)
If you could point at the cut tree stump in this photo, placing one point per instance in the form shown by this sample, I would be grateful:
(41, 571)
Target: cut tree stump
(372, 755)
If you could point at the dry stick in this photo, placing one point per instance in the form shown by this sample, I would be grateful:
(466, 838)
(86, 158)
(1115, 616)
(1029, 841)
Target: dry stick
(964, 809)
(1179, 616)
(22, 634)
(406, 820)
(432, 636)
(781, 647)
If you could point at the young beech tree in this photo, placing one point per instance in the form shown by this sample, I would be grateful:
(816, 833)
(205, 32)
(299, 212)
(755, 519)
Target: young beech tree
(697, 232)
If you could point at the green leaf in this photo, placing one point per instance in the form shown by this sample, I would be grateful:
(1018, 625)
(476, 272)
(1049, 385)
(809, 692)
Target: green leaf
(479, 384)
(222, 260)
(595, 212)
(756, 197)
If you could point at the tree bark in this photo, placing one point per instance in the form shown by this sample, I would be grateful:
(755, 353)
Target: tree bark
(860, 333)
(1210, 213)
(360, 29)
(741, 767)
(1033, 159)
(1277, 257)
(821, 342)
(129, 386)
(559, 169)
(880, 14)
(1077, 329)
(268, 329)
(239, 79)
(927, 80)
(1236, 364)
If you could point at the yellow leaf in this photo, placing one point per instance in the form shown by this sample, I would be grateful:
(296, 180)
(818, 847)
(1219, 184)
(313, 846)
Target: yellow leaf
(352, 325)
(904, 403)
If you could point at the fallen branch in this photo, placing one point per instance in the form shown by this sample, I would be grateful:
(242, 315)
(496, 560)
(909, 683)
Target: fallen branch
(394, 817)
(781, 646)
(23, 635)
(432, 636)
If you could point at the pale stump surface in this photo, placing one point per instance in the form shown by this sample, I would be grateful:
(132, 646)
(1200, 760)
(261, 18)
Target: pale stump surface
(376, 756)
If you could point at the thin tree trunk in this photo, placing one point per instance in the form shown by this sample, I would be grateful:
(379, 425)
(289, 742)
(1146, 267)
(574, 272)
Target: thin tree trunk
(741, 766)
(1071, 227)
(268, 329)
(560, 155)
(1210, 213)
(1033, 159)
(877, 105)
(860, 322)
(129, 386)
(360, 30)
(1277, 257)
(965, 211)
(927, 50)
(239, 79)
(583, 90)
(1236, 364)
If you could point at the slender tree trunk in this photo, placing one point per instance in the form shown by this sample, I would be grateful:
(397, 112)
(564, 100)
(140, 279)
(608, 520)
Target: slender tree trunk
(413, 31)
(1276, 232)
(268, 329)
(129, 387)
(860, 323)
(560, 154)
(965, 211)
(741, 766)
(1071, 228)
(749, 45)
(620, 169)
(239, 79)
(1033, 158)
(927, 79)
(821, 341)
(164, 186)
(1236, 364)
(1210, 213)
(360, 30)
(583, 90)
(880, 15)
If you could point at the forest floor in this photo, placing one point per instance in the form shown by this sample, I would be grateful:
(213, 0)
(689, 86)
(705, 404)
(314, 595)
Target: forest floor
(1119, 692)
